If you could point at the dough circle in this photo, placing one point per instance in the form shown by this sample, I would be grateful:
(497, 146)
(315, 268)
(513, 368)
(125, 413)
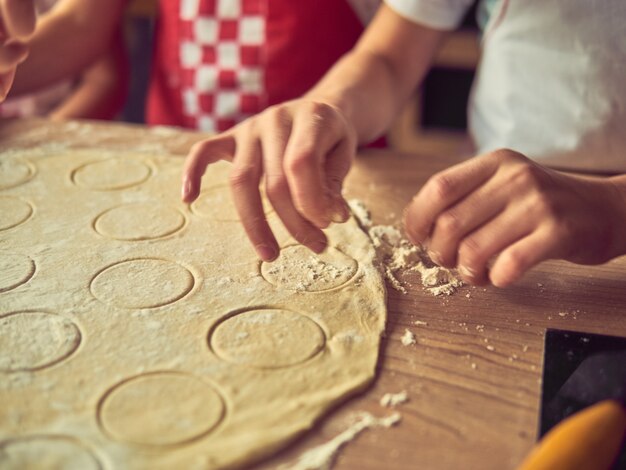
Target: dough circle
(111, 174)
(142, 283)
(267, 338)
(299, 269)
(45, 453)
(161, 408)
(15, 270)
(139, 221)
(14, 211)
(216, 204)
(34, 340)
(15, 171)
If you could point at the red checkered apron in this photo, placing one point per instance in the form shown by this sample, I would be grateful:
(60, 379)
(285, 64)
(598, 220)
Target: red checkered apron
(217, 62)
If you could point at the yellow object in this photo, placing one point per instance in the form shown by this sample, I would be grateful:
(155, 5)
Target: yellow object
(590, 439)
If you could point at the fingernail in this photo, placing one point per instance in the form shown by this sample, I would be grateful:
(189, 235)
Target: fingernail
(266, 252)
(186, 189)
(318, 247)
(467, 272)
(339, 212)
(435, 257)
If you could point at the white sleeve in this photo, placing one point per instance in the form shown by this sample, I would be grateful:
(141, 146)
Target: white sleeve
(438, 14)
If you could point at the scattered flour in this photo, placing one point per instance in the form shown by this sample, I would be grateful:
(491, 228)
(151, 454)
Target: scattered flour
(323, 456)
(397, 253)
(394, 399)
(408, 338)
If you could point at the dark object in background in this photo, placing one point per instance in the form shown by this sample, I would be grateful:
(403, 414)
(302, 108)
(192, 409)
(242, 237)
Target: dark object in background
(581, 369)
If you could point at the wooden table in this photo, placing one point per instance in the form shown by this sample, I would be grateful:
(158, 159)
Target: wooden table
(469, 407)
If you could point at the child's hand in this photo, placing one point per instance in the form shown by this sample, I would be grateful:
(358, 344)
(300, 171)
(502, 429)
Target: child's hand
(17, 23)
(502, 204)
(301, 151)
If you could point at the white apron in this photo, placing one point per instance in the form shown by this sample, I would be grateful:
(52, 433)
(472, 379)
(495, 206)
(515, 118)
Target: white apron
(552, 83)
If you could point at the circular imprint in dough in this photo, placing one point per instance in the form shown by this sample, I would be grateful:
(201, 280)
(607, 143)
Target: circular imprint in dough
(142, 283)
(46, 452)
(111, 174)
(160, 408)
(13, 212)
(298, 269)
(34, 340)
(15, 270)
(216, 204)
(139, 221)
(15, 171)
(267, 338)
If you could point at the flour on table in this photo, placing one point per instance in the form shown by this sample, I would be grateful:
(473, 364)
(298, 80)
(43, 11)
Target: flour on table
(397, 254)
(408, 338)
(323, 456)
(394, 399)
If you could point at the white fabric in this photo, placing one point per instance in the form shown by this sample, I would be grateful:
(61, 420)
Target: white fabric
(552, 83)
(437, 14)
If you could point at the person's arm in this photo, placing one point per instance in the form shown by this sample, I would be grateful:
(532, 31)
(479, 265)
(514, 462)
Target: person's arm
(66, 41)
(17, 23)
(302, 150)
(101, 90)
(504, 209)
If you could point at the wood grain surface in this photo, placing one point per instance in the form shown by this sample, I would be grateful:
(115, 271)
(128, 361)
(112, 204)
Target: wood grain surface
(474, 376)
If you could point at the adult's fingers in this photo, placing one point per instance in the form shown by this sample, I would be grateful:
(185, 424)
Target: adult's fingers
(462, 218)
(478, 247)
(11, 55)
(6, 80)
(317, 129)
(518, 258)
(18, 17)
(441, 191)
(278, 191)
(244, 182)
(202, 154)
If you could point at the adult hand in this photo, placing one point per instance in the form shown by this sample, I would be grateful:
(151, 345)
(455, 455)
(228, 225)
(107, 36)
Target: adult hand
(17, 23)
(502, 205)
(301, 151)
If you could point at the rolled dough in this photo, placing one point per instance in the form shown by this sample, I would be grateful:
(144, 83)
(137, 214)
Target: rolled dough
(137, 332)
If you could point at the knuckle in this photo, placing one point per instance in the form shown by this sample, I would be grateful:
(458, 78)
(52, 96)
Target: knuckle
(441, 186)
(449, 224)
(471, 252)
(276, 188)
(242, 176)
(299, 163)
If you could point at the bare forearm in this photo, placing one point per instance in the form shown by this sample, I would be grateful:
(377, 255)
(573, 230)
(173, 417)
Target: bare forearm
(66, 41)
(372, 83)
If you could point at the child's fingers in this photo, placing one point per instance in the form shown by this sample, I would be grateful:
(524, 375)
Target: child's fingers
(18, 18)
(441, 191)
(279, 194)
(316, 131)
(200, 156)
(518, 258)
(244, 179)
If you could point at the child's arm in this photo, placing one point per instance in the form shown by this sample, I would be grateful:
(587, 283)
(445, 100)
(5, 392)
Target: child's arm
(67, 40)
(101, 89)
(302, 150)
(17, 23)
(502, 205)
